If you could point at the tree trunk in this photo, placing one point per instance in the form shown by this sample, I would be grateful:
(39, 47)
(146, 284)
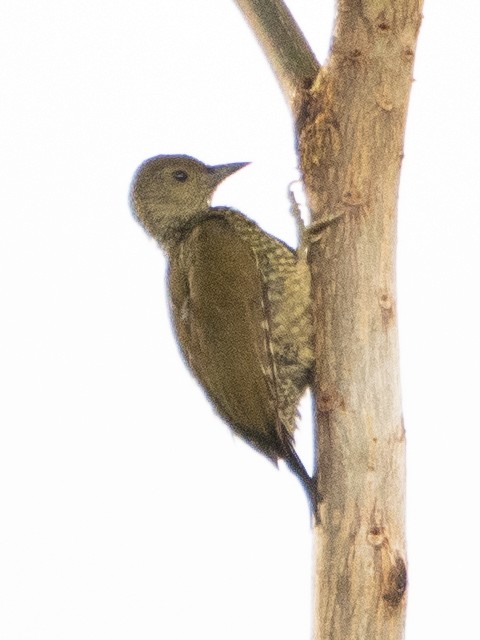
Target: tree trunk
(350, 124)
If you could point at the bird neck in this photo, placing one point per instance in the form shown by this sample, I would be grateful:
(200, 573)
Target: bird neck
(173, 229)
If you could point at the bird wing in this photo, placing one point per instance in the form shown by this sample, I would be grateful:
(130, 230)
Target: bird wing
(222, 324)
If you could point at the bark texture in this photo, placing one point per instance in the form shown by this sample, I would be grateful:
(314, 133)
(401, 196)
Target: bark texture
(350, 135)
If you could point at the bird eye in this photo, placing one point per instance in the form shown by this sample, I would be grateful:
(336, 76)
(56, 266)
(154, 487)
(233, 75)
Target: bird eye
(180, 175)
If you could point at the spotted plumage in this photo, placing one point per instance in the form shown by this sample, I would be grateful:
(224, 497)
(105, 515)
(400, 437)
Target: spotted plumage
(240, 303)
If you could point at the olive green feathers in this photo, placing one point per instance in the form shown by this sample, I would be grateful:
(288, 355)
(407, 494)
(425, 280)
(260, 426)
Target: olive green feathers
(240, 302)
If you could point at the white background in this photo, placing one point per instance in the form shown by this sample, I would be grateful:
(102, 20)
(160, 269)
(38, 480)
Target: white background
(127, 510)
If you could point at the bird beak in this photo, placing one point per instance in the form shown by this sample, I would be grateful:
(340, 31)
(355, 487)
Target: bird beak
(221, 171)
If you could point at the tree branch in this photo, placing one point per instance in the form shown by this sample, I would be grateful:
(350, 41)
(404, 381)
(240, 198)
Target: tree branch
(285, 47)
(350, 125)
(350, 138)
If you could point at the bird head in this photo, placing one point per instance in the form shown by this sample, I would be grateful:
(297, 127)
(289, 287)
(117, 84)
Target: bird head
(167, 192)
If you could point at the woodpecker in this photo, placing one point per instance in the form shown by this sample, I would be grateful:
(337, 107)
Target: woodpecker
(239, 300)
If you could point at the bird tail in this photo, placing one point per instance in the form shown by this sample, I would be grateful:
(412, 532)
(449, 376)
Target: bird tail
(309, 484)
